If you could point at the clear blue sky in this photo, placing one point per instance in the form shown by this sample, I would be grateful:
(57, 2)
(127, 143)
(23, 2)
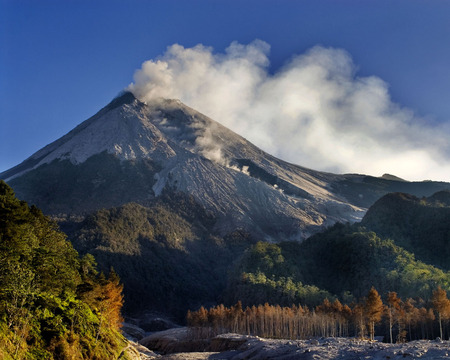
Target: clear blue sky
(61, 61)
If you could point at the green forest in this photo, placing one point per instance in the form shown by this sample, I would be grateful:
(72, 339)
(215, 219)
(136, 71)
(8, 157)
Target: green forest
(166, 253)
(53, 303)
(343, 262)
(419, 225)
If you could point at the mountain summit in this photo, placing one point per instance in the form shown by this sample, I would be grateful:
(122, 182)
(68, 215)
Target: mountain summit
(134, 152)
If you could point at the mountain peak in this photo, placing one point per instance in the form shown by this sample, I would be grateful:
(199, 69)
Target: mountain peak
(124, 98)
(391, 177)
(121, 128)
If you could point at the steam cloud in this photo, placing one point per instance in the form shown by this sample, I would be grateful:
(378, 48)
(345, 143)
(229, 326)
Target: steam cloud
(315, 111)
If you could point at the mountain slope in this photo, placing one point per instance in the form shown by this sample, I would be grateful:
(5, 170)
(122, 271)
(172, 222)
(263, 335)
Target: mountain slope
(130, 152)
(344, 261)
(421, 226)
(167, 254)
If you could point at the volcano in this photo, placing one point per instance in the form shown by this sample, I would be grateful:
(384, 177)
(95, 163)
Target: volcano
(132, 151)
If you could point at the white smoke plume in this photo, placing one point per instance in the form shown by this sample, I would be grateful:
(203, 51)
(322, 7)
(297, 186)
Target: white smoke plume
(315, 111)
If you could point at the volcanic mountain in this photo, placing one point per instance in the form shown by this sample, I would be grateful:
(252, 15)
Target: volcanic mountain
(134, 152)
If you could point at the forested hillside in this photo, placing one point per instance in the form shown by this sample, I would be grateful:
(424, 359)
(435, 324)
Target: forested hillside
(166, 253)
(53, 304)
(420, 225)
(170, 259)
(343, 262)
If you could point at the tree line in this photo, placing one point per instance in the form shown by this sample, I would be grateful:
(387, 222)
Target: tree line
(398, 320)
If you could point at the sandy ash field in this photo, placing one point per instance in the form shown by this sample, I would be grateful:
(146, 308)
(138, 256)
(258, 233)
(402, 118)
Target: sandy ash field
(255, 348)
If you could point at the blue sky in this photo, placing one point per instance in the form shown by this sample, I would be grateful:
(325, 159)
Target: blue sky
(61, 61)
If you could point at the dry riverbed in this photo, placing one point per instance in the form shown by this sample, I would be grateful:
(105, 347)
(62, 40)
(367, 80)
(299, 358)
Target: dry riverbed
(239, 347)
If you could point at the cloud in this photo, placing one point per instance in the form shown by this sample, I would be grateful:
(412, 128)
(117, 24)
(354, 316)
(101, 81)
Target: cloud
(315, 111)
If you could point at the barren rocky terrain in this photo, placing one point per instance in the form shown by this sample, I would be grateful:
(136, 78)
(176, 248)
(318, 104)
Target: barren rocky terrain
(241, 347)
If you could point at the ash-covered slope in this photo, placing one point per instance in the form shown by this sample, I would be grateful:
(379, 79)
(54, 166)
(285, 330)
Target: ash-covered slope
(132, 152)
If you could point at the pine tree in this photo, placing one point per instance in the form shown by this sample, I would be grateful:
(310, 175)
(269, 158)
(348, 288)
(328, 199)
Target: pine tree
(393, 309)
(374, 310)
(411, 315)
(441, 305)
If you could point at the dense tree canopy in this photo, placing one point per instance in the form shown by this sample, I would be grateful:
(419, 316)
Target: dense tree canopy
(344, 261)
(420, 226)
(166, 253)
(52, 303)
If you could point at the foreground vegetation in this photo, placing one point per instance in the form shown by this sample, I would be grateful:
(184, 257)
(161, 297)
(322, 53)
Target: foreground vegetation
(53, 304)
(398, 320)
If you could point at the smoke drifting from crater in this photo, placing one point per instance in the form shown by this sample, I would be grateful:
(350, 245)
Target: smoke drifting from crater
(315, 111)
